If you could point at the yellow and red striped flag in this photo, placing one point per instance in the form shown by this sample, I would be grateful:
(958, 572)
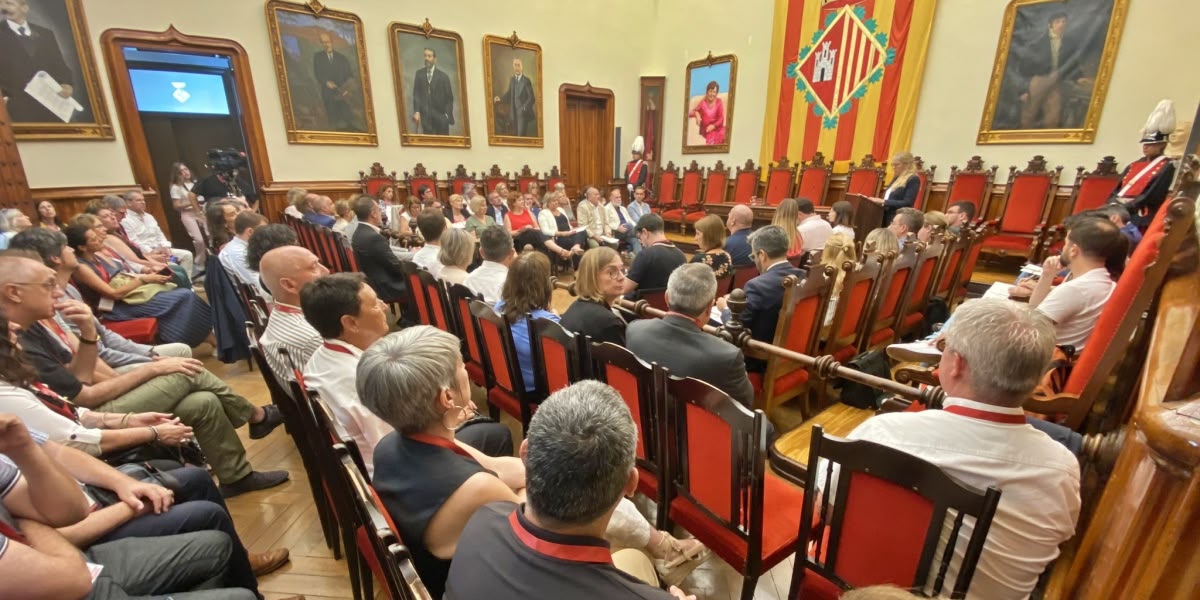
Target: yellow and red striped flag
(845, 78)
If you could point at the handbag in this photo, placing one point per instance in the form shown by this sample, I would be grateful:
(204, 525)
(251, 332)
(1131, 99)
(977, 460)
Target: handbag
(187, 453)
(858, 395)
(143, 293)
(145, 473)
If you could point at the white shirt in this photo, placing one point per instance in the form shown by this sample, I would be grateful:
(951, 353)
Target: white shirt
(233, 258)
(1075, 305)
(427, 258)
(333, 374)
(453, 275)
(841, 229)
(1038, 479)
(57, 428)
(814, 231)
(145, 231)
(16, 27)
(614, 214)
(293, 212)
(594, 218)
(488, 280)
(287, 329)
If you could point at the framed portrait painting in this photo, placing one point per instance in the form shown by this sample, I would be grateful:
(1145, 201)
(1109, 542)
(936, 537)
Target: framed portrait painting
(1052, 70)
(708, 107)
(650, 107)
(431, 85)
(512, 84)
(48, 73)
(321, 66)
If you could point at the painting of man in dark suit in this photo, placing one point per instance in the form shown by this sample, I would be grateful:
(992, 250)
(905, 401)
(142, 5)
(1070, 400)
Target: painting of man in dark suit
(433, 98)
(519, 102)
(334, 75)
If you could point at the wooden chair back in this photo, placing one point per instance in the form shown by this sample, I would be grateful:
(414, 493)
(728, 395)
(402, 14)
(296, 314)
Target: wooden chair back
(1028, 198)
(814, 178)
(897, 275)
(656, 298)
(781, 180)
(558, 355)
(920, 286)
(745, 184)
(495, 177)
(860, 285)
(416, 291)
(668, 187)
(461, 178)
(741, 275)
(375, 178)
(507, 391)
(460, 298)
(973, 184)
(1093, 188)
(690, 186)
(716, 184)
(525, 178)
(437, 301)
(866, 178)
(799, 329)
(926, 177)
(420, 178)
(553, 178)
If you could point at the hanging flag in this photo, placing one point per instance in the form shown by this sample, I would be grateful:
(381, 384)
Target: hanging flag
(845, 78)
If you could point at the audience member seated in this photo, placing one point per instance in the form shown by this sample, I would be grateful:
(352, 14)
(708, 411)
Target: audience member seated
(432, 224)
(321, 213)
(678, 342)
(638, 207)
(43, 517)
(933, 220)
(143, 229)
(179, 386)
(559, 187)
(220, 216)
(579, 465)
(599, 283)
(881, 240)
(457, 211)
(523, 226)
(740, 222)
(298, 203)
(906, 222)
(496, 249)
(427, 195)
(1119, 215)
(996, 353)
(110, 288)
(350, 317)
(47, 216)
(958, 215)
(787, 217)
(344, 213)
(593, 217)
(12, 222)
(841, 217)
(374, 254)
(263, 240)
(498, 204)
(233, 255)
(654, 264)
(814, 229)
(839, 249)
(431, 483)
(555, 224)
(479, 220)
(286, 271)
(526, 295)
(458, 249)
(764, 293)
(621, 221)
(710, 245)
(106, 222)
(903, 190)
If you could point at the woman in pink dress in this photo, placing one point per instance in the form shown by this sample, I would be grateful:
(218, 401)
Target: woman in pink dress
(710, 115)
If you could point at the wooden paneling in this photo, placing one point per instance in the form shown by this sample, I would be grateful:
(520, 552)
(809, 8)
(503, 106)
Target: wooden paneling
(70, 201)
(274, 196)
(14, 188)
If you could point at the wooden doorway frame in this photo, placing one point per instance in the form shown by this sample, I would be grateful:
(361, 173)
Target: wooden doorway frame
(113, 43)
(572, 90)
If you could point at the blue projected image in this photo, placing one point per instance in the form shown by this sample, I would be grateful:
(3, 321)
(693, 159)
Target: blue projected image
(179, 92)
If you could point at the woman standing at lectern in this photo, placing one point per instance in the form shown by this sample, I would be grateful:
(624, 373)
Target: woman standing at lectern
(903, 190)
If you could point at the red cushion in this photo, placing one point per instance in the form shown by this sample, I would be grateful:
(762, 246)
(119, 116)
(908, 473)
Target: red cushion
(505, 401)
(673, 215)
(782, 505)
(141, 331)
(815, 587)
(912, 320)
(692, 217)
(886, 333)
(792, 380)
(756, 381)
(1009, 241)
(367, 551)
(845, 354)
(475, 374)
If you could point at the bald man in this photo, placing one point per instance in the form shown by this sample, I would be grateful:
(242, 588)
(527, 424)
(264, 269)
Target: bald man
(285, 271)
(29, 297)
(739, 223)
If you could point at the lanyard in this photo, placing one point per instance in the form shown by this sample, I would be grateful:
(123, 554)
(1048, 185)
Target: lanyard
(337, 348)
(434, 440)
(975, 413)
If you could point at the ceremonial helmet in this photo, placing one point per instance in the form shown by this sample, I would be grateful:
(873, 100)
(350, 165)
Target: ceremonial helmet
(1160, 125)
(639, 145)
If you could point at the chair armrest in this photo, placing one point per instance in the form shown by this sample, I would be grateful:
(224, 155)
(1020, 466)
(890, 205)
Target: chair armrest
(915, 374)
(788, 469)
(1058, 404)
(893, 404)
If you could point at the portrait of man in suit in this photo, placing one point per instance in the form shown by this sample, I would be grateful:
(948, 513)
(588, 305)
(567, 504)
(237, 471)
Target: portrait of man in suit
(37, 39)
(518, 103)
(334, 76)
(433, 98)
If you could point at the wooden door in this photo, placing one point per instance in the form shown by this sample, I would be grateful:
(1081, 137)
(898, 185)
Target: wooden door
(14, 188)
(585, 133)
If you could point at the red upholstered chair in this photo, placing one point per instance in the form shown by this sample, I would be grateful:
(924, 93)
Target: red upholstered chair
(973, 184)
(1027, 202)
(667, 192)
(559, 354)
(798, 329)
(460, 179)
(882, 520)
(656, 298)
(416, 292)
(745, 183)
(418, 179)
(506, 389)
(716, 184)
(436, 300)
(1136, 289)
(141, 331)
(970, 259)
(926, 177)
(957, 247)
(813, 182)
(859, 288)
(554, 178)
(865, 179)
(460, 297)
(689, 197)
(494, 178)
(741, 275)
(781, 179)
(526, 177)
(643, 388)
(920, 286)
(892, 296)
(720, 489)
(1091, 191)
(375, 179)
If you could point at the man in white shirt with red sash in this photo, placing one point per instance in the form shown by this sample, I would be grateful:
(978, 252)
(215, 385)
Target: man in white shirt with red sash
(1146, 181)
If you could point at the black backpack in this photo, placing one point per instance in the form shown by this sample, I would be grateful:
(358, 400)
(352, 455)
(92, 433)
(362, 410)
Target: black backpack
(858, 395)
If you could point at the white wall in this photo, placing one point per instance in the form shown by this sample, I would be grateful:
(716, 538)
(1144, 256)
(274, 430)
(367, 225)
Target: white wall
(582, 42)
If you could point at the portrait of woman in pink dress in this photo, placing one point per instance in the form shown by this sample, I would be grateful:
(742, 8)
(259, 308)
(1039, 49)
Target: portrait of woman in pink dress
(709, 114)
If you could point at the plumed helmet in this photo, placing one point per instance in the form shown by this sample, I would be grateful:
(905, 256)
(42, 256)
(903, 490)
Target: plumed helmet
(1160, 124)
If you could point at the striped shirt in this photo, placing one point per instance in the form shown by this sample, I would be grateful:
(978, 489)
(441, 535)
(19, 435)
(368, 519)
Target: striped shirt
(288, 330)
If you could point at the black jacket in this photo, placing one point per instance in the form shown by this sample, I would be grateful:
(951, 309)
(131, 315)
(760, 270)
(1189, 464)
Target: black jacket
(20, 59)
(434, 99)
(594, 320)
(679, 345)
(377, 261)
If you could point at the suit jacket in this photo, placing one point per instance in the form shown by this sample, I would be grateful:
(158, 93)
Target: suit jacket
(738, 247)
(434, 99)
(764, 299)
(497, 213)
(519, 97)
(595, 218)
(614, 220)
(679, 345)
(378, 262)
(904, 196)
(20, 59)
(1037, 60)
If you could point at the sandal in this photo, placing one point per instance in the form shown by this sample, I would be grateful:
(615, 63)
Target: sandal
(687, 555)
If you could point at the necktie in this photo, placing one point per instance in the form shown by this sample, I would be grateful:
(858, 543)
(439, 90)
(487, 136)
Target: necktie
(429, 77)
(24, 31)
(620, 215)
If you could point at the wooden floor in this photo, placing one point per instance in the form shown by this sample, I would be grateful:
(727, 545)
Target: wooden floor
(285, 516)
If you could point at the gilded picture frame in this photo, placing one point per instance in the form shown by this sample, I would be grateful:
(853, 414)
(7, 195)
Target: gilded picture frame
(321, 67)
(58, 30)
(708, 95)
(444, 90)
(650, 110)
(513, 119)
(1052, 70)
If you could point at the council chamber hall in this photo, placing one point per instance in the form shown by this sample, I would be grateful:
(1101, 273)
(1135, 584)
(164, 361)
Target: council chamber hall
(778, 299)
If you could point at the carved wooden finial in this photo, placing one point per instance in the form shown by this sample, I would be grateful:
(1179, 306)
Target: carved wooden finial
(427, 27)
(736, 304)
(513, 40)
(316, 6)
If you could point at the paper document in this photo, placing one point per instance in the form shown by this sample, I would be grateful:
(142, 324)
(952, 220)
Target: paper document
(1032, 270)
(715, 315)
(999, 290)
(579, 229)
(45, 89)
(609, 240)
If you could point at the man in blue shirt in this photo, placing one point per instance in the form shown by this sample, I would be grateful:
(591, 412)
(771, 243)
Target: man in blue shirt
(739, 223)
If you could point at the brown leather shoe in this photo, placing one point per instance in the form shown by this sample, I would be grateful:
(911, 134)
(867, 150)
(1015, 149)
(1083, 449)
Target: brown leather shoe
(268, 561)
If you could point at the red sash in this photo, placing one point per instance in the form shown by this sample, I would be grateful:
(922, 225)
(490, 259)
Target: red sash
(54, 328)
(985, 415)
(440, 442)
(337, 348)
(632, 168)
(291, 310)
(1135, 181)
(586, 554)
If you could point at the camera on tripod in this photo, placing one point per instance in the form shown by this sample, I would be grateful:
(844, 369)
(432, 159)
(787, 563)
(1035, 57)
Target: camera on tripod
(225, 162)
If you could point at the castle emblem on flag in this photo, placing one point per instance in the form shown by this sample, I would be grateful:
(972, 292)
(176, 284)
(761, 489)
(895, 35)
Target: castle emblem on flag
(846, 57)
